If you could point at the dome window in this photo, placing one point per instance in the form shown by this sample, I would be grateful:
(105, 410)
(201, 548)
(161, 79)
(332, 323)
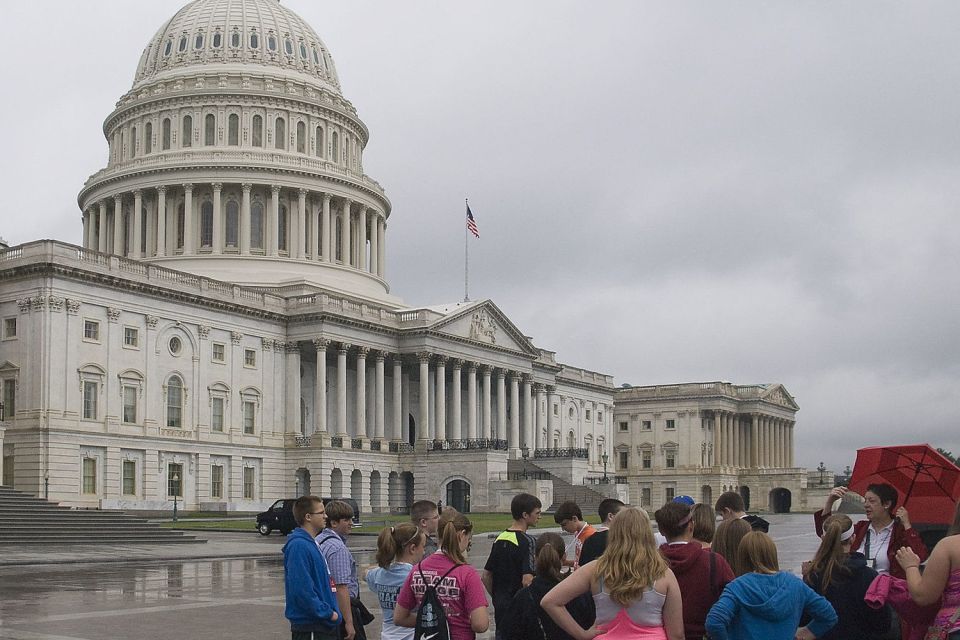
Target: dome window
(217, 40)
(235, 39)
(210, 130)
(233, 223)
(148, 138)
(303, 51)
(198, 42)
(316, 56)
(254, 40)
(271, 43)
(256, 134)
(256, 225)
(183, 44)
(288, 46)
(206, 224)
(165, 134)
(167, 48)
(279, 133)
(233, 130)
(301, 137)
(187, 139)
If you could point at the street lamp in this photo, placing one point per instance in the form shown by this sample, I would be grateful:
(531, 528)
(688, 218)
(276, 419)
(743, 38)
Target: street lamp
(525, 453)
(176, 492)
(604, 457)
(822, 468)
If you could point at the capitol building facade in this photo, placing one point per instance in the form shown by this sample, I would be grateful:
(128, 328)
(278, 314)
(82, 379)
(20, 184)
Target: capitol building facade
(226, 334)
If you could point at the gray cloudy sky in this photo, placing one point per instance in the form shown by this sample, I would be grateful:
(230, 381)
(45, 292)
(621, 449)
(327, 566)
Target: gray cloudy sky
(667, 192)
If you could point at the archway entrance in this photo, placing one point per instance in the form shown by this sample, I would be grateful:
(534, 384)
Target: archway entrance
(780, 500)
(458, 495)
(745, 494)
(406, 478)
(411, 430)
(706, 494)
(303, 482)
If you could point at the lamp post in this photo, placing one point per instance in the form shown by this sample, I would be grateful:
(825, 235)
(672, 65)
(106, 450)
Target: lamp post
(604, 457)
(176, 492)
(822, 468)
(525, 453)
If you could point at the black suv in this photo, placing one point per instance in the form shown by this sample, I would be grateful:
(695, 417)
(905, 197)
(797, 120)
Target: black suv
(280, 515)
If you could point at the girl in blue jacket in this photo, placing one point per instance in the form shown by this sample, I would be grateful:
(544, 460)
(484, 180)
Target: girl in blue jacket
(765, 602)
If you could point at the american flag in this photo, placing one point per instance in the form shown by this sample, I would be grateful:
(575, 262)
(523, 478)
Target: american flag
(472, 224)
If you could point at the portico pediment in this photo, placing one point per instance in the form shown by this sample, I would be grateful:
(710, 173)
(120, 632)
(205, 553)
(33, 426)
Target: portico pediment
(484, 323)
(777, 394)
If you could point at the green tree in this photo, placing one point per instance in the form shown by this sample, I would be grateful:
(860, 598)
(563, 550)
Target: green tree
(949, 456)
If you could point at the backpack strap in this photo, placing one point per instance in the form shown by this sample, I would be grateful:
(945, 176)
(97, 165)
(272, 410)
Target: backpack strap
(713, 574)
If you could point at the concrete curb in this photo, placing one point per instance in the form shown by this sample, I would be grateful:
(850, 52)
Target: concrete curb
(247, 556)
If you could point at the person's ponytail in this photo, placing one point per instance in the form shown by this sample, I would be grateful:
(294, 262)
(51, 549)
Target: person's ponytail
(451, 524)
(830, 556)
(387, 547)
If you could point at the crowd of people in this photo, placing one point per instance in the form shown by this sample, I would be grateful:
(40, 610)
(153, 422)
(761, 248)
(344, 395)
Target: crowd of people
(710, 571)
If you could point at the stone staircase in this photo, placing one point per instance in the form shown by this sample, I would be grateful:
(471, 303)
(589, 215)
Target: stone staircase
(28, 520)
(586, 498)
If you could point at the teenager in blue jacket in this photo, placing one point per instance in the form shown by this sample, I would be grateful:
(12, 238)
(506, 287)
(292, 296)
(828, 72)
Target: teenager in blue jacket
(311, 601)
(766, 602)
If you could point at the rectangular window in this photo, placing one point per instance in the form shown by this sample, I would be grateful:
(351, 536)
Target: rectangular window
(556, 409)
(671, 460)
(599, 416)
(647, 460)
(89, 476)
(131, 337)
(219, 352)
(89, 400)
(671, 424)
(216, 414)
(175, 480)
(670, 494)
(129, 478)
(216, 481)
(623, 458)
(248, 479)
(645, 498)
(587, 415)
(9, 399)
(9, 328)
(91, 330)
(624, 426)
(130, 404)
(249, 358)
(249, 416)
(646, 425)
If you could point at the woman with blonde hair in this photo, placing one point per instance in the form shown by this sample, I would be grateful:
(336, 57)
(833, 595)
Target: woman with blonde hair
(635, 593)
(765, 602)
(398, 549)
(726, 541)
(843, 577)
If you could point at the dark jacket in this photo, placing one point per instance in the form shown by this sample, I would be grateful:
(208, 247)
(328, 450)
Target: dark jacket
(899, 538)
(310, 599)
(594, 547)
(757, 523)
(700, 587)
(848, 586)
(525, 620)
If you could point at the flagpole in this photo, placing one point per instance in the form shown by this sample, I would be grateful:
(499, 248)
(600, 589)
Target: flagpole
(466, 260)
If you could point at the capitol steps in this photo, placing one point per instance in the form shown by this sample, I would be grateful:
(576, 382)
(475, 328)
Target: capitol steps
(586, 498)
(28, 520)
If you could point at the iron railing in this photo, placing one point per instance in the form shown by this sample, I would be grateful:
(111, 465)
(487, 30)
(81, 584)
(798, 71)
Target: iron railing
(474, 444)
(336, 442)
(562, 453)
(401, 447)
(302, 441)
(356, 443)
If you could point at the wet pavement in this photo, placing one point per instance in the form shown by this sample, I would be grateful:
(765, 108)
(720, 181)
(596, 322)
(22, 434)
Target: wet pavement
(179, 591)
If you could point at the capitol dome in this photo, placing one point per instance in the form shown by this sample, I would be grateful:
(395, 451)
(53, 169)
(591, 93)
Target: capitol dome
(235, 156)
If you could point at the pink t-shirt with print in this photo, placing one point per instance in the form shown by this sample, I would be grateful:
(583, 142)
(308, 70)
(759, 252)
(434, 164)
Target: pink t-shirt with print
(460, 593)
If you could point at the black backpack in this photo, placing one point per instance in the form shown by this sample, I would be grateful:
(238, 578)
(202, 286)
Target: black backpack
(431, 618)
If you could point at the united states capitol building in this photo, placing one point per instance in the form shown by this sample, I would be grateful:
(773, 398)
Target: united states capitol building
(227, 334)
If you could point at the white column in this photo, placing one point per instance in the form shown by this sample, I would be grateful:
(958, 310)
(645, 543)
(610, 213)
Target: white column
(137, 224)
(345, 232)
(540, 422)
(342, 388)
(375, 244)
(162, 220)
(486, 407)
(379, 418)
(245, 219)
(441, 398)
(528, 413)
(189, 245)
(551, 418)
(362, 240)
(382, 247)
(292, 418)
(501, 427)
(301, 223)
(471, 401)
(456, 406)
(361, 391)
(85, 217)
(514, 437)
(217, 240)
(102, 227)
(273, 219)
(320, 390)
(398, 415)
(423, 428)
(326, 241)
(314, 252)
(118, 225)
(790, 426)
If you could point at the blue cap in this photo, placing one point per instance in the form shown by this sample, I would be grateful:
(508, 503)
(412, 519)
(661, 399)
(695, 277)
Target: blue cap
(687, 500)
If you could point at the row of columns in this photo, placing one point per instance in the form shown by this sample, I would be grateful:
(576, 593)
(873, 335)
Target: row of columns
(527, 428)
(754, 440)
(311, 229)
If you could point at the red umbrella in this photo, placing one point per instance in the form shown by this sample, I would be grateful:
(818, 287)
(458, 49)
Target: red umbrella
(928, 483)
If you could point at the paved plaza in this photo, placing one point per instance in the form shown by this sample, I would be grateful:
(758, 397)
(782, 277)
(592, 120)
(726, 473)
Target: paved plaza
(183, 591)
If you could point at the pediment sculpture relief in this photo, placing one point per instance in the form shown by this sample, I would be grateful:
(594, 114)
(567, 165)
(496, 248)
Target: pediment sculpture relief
(482, 328)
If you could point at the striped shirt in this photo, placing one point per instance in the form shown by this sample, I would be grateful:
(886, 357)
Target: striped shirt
(340, 562)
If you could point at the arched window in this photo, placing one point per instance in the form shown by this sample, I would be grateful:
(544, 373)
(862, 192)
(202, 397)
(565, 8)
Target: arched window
(198, 41)
(206, 224)
(316, 57)
(335, 141)
(256, 134)
(256, 225)
(187, 139)
(282, 228)
(279, 133)
(210, 129)
(301, 137)
(233, 223)
(148, 138)
(167, 48)
(165, 134)
(288, 46)
(254, 40)
(183, 44)
(133, 142)
(235, 39)
(180, 225)
(217, 40)
(143, 230)
(127, 232)
(175, 402)
(319, 142)
(271, 43)
(233, 130)
(338, 245)
(303, 51)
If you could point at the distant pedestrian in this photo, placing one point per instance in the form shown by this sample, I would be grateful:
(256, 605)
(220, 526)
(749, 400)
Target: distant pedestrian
(343, 568)
(425, 514)
(398, 549)
(311, 606)
(525, 619)
(594, 546)
(704, 524)
(765, 602)
(511, 565)
(458, 585)
(730, 506)
(726, 542)
(570, 518)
